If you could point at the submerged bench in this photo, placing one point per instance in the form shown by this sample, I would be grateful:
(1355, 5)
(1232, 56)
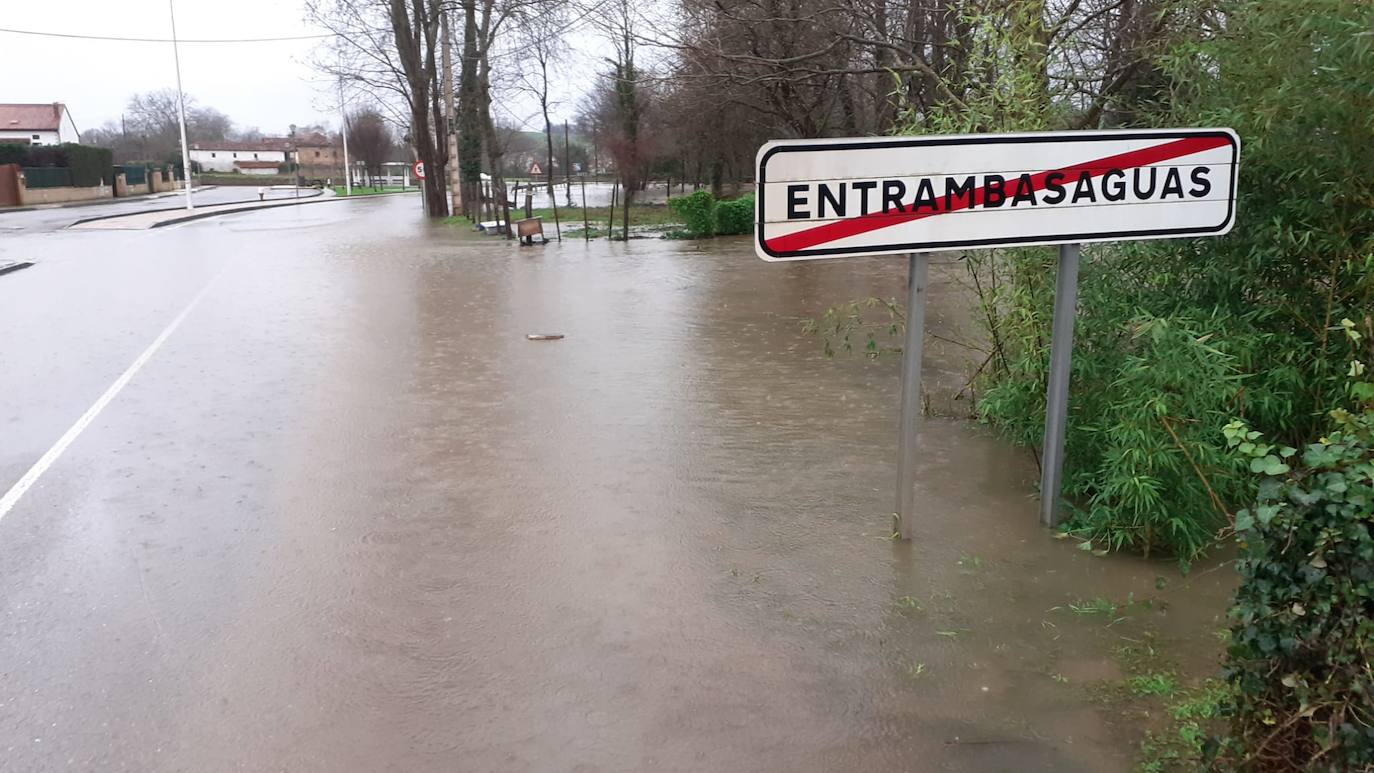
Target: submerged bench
(529, 228)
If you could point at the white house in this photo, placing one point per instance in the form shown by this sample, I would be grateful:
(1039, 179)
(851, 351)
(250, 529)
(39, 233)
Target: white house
(44, 124)
(247, 157)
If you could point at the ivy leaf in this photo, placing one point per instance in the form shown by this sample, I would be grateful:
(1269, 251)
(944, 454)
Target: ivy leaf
(1266, 513)
(1244, 520)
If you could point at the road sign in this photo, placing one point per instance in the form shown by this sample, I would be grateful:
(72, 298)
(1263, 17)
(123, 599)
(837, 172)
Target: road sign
(878, 196)
(875, 196)
(419, 169)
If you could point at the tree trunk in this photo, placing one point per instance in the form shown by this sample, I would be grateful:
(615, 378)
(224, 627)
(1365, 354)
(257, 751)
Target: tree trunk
(469, 120)
(416, 40)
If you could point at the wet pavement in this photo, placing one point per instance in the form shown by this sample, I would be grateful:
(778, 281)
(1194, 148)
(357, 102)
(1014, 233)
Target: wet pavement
(140, 221)
(56, 218)
(348, 518)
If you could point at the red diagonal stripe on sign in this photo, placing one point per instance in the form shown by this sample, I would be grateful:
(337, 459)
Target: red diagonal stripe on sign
(829, 232)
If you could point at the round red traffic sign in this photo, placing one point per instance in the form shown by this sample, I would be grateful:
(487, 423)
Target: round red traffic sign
(419, 169)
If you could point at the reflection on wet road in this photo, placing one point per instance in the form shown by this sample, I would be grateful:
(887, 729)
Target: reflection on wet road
(349, 518)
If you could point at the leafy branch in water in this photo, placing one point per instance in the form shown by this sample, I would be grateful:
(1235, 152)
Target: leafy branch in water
(876, 325)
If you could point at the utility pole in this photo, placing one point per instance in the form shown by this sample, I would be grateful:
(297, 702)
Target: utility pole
(181, 104)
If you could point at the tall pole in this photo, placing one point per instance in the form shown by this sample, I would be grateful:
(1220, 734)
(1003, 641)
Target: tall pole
(1057, 395)
(343, 120)
(181, 105)
(567, 165)
(586, 227)
(911, 392)
(449, 135)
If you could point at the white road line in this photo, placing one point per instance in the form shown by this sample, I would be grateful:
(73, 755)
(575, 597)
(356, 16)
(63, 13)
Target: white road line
(41, 466)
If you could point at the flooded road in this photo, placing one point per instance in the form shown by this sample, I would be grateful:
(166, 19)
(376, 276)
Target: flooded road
(348, 518)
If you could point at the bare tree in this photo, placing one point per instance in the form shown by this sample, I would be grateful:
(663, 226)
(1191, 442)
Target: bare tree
(370, 139)
(807, 68)
(391, 49)
(622, 102)
(541, 40)
(151, 129)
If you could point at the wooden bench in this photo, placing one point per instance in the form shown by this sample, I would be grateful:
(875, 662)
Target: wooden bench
(529, 228)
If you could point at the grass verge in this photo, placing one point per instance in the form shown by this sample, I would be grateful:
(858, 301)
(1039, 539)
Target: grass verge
(656, 217)
(364, 190)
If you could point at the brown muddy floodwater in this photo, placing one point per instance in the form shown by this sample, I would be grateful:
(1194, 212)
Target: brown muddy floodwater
(658, 544)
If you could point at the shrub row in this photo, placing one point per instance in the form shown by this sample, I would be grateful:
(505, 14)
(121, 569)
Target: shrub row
(704, 216)
(89, 165)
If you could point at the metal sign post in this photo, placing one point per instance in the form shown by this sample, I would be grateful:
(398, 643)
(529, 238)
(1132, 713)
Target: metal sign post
(912, 349)
(1057, 393)
(890, 195)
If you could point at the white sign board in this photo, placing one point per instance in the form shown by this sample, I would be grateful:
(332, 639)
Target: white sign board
(877, 196)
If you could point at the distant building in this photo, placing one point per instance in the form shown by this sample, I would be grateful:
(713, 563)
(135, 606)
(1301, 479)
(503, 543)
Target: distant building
(312, 155)
(43, 124)
(316, 156)
(263, 157)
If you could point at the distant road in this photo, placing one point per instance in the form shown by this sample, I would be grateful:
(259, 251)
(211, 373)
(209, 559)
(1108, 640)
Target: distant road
(40, 220)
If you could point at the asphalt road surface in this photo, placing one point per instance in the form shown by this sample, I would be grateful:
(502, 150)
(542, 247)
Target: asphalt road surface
(291, 491)
(56, 218)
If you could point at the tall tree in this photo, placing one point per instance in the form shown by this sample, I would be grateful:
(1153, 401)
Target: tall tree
(541, 37)
(370, 139)
(416, 25)
(625, 102)
(389, 49)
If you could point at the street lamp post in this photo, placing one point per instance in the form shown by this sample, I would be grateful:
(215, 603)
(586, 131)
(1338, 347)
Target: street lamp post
(343, 122)
(181, 111)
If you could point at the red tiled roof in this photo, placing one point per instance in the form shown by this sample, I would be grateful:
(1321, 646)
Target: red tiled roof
(46, 117)
(313, 140)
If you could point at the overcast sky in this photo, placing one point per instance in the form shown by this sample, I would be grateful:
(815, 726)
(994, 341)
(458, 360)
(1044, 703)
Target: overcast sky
(267, 85)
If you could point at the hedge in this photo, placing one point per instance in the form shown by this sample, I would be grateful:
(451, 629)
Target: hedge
(90, 165)
(705, 217)
(735, 217)
(697, 213)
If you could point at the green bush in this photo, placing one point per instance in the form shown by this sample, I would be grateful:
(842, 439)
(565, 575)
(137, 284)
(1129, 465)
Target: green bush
(697, 211)
(1240, 325)
(14, 154)
(1302, 627)
(734, 217)
(90, 165)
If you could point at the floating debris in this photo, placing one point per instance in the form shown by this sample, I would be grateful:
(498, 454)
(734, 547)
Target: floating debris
(545, 336)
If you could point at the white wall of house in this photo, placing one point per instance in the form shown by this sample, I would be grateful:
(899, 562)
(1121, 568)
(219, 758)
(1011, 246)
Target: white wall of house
(34, 137)
(65, 132)
(216, 160)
